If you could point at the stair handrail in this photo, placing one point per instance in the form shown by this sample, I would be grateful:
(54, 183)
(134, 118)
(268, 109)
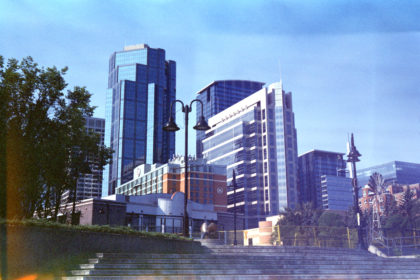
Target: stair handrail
(393, 243)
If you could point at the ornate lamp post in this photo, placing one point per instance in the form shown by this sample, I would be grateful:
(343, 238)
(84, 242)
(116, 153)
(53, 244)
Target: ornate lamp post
(353, 157)
(172, 127)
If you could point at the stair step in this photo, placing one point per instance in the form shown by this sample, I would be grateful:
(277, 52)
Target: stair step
(240, 266)
(231, 254)
(253, 271)
(247, 277)
(256, 261)
(241, 262)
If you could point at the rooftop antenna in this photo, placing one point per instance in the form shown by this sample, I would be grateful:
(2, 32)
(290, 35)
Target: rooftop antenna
(281, 81)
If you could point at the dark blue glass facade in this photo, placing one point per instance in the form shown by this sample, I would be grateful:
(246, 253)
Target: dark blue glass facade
(395, 172)
(141, 87)
(313, 165)
(219, 96)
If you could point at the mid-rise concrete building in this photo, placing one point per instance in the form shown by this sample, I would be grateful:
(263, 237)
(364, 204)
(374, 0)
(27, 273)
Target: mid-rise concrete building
(157, 212)
(337, 192)
(207, 182)
(256, 137)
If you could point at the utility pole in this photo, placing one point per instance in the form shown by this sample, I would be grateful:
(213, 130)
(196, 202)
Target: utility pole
(235, 242)
(353, 157)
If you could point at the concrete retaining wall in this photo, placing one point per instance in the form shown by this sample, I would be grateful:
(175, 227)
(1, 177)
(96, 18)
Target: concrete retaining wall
(29, 248)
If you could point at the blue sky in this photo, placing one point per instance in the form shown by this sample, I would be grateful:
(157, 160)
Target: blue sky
(352, 66)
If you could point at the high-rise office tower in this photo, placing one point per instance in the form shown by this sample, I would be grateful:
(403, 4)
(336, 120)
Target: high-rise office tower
(313, 165)
(141, 87)
(218, 96)
(256, 137)
(90, 185)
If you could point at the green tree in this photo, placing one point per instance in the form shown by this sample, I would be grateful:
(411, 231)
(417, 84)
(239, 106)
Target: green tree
(27, 96)
(391, 206)
(416, 214)
(296, 223)
(404, 218)
(407, 207)
(376, 183)
(331, 219)
(304, 215)
(3, 128)
(44, 144)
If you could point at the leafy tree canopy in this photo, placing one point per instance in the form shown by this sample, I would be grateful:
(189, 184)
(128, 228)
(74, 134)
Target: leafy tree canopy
(304, 215)
(331, 219)
(44, 145)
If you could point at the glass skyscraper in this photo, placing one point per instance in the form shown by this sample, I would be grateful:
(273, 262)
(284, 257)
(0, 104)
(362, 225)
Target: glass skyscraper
(256, 137)
(141, 87)
(394, 172)
(218, 96)
(313, 165)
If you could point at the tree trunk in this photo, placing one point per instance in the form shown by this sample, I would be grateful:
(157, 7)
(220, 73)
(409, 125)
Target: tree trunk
(57, 203)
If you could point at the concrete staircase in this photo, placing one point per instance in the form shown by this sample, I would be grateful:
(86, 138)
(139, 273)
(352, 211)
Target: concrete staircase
(228, 262)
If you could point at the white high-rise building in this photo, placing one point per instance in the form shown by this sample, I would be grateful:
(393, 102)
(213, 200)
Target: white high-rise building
(90, 185)
(256, 137)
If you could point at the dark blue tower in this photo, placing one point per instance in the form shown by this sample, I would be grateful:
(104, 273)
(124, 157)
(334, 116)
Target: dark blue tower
(141, 87)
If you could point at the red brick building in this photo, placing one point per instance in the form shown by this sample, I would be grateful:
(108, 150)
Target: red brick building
(207, 182)
(393, 193)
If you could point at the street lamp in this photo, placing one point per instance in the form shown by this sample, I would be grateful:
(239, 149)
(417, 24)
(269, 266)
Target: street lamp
(172, 127)
(235, 242)
(353, 157)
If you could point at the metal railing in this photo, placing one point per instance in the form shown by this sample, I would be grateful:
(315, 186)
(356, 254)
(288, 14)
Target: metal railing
(400, 245)
(228, 236)
(315, 236)
(162, 229)
(342, 237)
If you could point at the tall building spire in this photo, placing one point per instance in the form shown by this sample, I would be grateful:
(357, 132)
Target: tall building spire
(281, 76)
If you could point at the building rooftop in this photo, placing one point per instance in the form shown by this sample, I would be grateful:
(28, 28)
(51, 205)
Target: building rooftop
(321, 151)
(136, 47)
(389, 163)
(219, 81)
